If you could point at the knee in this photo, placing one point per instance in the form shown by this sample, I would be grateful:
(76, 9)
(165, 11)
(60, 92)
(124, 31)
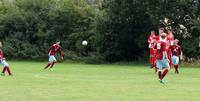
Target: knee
(159, 70)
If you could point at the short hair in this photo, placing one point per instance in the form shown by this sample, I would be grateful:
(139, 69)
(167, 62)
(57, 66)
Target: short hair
(163, 34)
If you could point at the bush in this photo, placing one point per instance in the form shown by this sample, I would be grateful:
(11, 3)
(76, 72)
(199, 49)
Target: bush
(29, 27)
(94, 58)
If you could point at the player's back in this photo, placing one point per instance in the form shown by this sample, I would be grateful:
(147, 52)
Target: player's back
(160, 47)
(53, 49)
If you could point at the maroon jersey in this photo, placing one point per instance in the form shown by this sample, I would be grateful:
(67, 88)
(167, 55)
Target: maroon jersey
(176, 50)
(54, 48)
(161, 47)
(151, 41)
(1, 54)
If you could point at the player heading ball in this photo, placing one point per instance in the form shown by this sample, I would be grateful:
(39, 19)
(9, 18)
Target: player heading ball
(52, 52)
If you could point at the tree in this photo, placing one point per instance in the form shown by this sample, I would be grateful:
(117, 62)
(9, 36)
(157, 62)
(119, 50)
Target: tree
(123, 25)
(28, 27)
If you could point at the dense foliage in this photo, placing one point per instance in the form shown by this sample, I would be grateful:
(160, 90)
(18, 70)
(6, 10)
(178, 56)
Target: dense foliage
(29, 27)
(124, 25)
(117, 31)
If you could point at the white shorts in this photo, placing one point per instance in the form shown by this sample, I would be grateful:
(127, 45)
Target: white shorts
(162, 64)
(52, 58)
(4, 63)
(175, 60)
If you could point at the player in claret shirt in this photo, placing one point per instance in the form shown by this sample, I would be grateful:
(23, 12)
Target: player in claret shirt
(162, 61)
(151, 42)
(52, 52)
(176, 53)
(3, 62)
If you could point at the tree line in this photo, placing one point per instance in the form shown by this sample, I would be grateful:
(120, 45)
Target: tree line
(116, 31)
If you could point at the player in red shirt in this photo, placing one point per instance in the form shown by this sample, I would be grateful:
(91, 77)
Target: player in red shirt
(4, 63)
(52, 52)
(151, 42)
(170, 39)
(170, 35)
(176, 53)
(161, 30)
(162, 61)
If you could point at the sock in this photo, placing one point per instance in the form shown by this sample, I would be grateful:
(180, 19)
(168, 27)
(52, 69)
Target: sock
(152, 66)
(47, 65)
(170, 64)
(155, 69)
(151, 61)
(8, 70)
(176, 68)
(160, 75)
(164, 73)
(4, 70)
(52, 64)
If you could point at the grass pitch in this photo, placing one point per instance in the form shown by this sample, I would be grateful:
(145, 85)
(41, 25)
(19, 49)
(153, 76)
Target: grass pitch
(81, 82)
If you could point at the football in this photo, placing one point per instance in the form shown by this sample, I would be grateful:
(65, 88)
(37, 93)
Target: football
(84, 43)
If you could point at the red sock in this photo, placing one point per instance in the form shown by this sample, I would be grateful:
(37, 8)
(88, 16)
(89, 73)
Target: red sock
(52, 64)
(4, 70)
(155, 69)
(8, 70)
(160, 75)
(164, 73)
(152, 66)
(170, 64)
(47, 65)
(176, 68)
(151, 61)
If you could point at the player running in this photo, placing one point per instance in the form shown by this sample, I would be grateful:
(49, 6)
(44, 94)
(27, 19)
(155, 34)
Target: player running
(162, 61)
(52, 52)
(170, 39)
(3, 62)
(151, 42)
(176, 53)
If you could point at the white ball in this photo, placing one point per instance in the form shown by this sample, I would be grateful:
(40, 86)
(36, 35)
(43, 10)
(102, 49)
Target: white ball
(84, 43)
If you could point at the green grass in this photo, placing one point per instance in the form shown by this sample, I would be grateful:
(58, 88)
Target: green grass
(81, 82)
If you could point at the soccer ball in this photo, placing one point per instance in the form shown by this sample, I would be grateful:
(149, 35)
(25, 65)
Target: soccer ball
(84, 43)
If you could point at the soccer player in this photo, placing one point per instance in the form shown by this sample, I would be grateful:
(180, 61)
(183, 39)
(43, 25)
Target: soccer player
(52, 52)
(170, 39)
(176, 53)
(170, 35)
(151, 42)
(162, 61)
(161, 30)
(3, 62)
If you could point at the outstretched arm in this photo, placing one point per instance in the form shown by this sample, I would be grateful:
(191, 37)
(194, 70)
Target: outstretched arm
(61, 53)
(181, 54)
(165, 56)
(49, 49)
(1, 54)
(149, 39)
